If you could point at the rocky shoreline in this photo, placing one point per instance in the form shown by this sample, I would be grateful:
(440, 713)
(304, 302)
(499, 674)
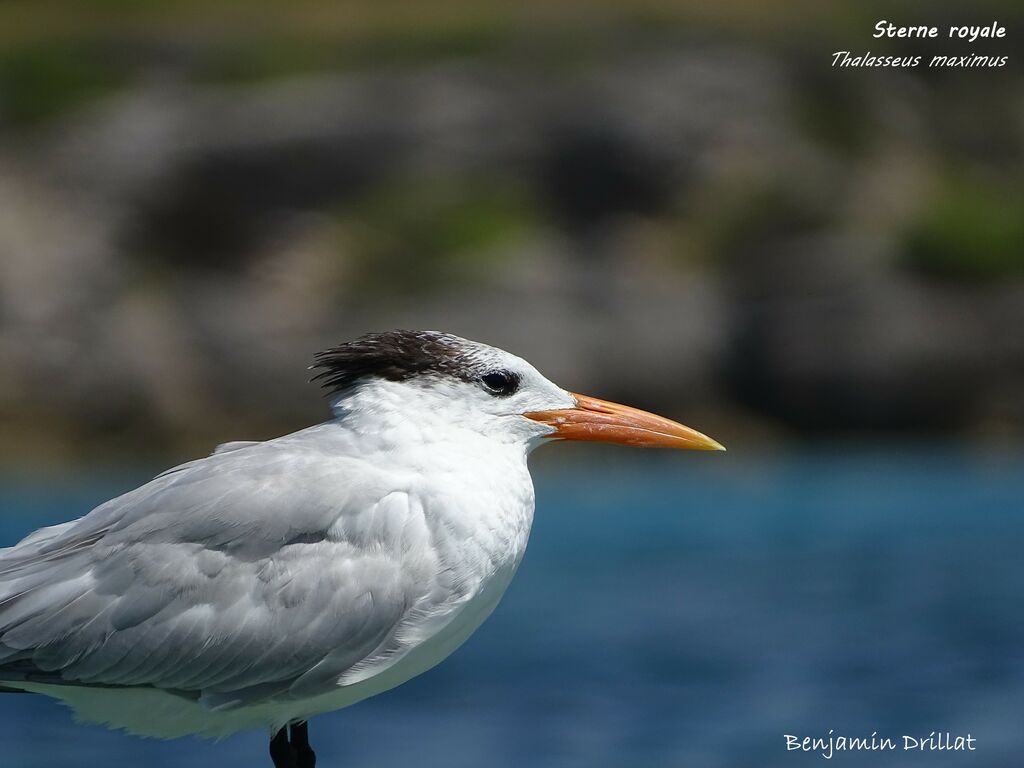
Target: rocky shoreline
(671, 227)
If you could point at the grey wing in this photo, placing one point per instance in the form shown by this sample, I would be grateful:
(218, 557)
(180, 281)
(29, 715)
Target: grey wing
(245, 576)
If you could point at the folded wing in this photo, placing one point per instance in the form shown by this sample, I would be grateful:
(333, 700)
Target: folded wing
(261, 572)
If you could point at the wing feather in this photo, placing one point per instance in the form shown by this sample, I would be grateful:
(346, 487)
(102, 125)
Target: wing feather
(266, 569)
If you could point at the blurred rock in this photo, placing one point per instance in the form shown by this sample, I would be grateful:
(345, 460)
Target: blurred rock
(662, 229)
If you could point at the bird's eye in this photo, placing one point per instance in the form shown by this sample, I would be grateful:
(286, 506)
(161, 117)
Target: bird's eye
(500, 383)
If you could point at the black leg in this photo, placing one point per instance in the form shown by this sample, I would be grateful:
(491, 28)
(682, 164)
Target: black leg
(281, 752)
(305, 757)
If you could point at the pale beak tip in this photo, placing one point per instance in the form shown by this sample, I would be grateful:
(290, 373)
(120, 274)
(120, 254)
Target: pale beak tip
(709, 444)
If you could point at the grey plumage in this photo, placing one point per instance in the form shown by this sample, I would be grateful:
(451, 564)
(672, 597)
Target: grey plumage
(195, 558)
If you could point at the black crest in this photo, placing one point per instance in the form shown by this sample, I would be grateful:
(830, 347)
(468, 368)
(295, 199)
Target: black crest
(393, 355)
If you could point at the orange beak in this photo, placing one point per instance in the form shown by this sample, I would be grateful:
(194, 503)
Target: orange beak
(605, 422)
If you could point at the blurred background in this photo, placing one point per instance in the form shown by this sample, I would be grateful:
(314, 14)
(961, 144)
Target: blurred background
(680, 206)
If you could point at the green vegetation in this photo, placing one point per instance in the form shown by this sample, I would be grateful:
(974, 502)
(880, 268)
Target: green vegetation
(38, 83)
(970, 232)
(762, 215)
(426, 235)
(273, 57)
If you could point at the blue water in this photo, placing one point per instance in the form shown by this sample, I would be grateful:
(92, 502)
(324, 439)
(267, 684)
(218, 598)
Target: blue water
(683, 611)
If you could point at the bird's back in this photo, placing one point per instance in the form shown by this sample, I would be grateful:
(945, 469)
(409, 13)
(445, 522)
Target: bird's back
(264, 577)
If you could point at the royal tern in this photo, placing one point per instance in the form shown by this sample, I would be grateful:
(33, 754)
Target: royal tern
(272, 581)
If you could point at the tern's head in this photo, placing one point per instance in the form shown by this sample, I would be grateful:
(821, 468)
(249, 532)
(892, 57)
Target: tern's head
(425, 378)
